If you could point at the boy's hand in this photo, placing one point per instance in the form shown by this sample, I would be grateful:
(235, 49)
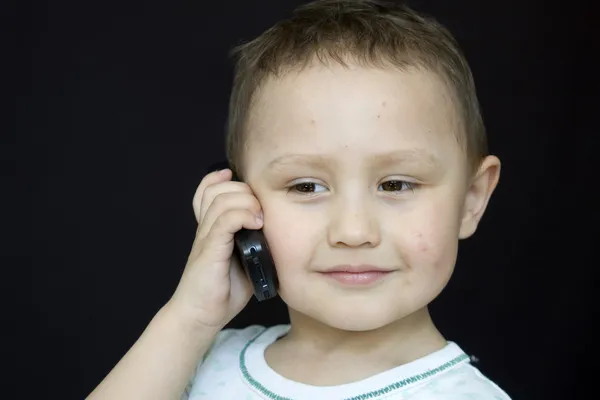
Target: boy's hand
(214, 288)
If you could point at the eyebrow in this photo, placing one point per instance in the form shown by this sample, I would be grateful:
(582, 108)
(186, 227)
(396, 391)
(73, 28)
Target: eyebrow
(406, 156)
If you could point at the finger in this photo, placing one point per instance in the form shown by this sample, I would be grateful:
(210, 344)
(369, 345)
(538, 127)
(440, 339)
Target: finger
(227, 201)
(208, 180)
(240, 282)
(219, 241)
(214, 190)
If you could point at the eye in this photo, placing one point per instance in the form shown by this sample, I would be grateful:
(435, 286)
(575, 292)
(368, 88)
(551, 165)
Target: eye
(397, 186)
(307, 188)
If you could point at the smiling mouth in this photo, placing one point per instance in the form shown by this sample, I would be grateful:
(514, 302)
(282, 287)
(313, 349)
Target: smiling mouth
(357, 278)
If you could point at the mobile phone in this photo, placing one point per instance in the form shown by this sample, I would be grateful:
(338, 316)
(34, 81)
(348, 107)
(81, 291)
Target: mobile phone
(252, 251)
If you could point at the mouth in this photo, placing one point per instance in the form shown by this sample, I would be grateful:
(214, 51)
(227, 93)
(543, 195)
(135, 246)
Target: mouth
(357, 274)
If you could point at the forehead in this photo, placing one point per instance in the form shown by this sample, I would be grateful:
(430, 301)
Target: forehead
(351, 115)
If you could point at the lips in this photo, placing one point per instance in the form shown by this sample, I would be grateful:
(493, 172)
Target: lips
(357, 274)
(356, 269)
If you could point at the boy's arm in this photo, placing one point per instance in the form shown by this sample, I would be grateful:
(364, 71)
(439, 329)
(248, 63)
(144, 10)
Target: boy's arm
(211, 292)
(160, 364)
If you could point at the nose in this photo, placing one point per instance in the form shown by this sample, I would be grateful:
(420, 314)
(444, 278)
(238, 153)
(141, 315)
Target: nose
(353, 224)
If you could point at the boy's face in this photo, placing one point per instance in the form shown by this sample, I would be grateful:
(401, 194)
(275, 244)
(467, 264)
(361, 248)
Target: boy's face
(354, 167)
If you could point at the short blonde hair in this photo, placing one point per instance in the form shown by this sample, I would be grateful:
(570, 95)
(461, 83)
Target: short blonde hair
(367, 32)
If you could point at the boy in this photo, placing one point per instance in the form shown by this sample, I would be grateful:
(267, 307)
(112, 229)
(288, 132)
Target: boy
(356, 130)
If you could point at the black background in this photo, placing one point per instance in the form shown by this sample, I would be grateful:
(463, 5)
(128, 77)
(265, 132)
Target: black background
(122, 106)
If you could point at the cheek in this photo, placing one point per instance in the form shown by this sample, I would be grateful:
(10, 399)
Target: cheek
(293, 241)
(291, 238)
(433, 249)
(432, 241)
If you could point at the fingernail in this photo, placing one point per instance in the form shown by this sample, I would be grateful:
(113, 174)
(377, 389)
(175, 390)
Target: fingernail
(260, 216)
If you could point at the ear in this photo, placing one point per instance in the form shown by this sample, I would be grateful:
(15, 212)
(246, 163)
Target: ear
(478, 195)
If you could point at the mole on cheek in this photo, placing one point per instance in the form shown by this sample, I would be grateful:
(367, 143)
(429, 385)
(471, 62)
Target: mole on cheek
(422, 244)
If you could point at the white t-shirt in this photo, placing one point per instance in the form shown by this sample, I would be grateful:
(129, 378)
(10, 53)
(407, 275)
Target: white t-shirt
(235, 368)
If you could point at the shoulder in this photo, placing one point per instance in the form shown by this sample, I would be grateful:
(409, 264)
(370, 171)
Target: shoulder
(218, 363)
(462, 383)
(234, 339)
(218, 371)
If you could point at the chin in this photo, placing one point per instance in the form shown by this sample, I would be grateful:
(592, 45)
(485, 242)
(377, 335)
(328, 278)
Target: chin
(348, 317)
(361, 321)
(356, 324)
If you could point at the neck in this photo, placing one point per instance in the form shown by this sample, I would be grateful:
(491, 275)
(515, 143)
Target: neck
(398, 343)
